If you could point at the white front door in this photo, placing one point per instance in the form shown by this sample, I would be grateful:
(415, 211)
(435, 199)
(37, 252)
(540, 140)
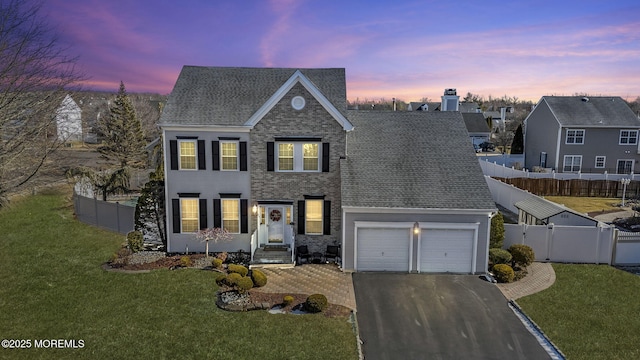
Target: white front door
(275, 218)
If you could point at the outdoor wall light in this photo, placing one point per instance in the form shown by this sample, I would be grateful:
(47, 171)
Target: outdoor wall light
(416, 228)
(254, 209)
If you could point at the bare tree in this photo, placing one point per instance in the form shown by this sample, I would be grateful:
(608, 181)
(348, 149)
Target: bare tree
(35, 73)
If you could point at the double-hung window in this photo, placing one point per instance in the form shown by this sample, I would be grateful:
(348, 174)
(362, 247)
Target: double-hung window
(189, 216)
(313, 216)
(187, 158)
(600, 162)
(575, 136)
(231, 215)
(572, 163)
(628, 137)
(229, 154)
(298, 156)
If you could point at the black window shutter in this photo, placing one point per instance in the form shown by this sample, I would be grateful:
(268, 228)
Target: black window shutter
(243, 156)
(173, 150)
(301, 216)
(271, 164)
(203, 214)
(217, 213)
(215, 150)
(202, 165)
(326, 218)
(325, 157)
(244, 218)
(175, 208)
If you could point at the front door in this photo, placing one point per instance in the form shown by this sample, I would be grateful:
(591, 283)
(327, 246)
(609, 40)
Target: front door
(275, 224)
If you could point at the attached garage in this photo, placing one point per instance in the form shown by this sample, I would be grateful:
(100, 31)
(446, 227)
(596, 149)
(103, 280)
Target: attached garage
(383, 248)
(447, 250)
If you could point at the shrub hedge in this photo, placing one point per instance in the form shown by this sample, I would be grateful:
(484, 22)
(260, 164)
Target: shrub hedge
(239, 269)
(522, 255)
(244, 284)
(258, 277)
(316, 303)
(503, 273)
(499, 256)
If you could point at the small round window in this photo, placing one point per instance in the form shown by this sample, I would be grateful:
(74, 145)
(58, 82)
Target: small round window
(298, 102)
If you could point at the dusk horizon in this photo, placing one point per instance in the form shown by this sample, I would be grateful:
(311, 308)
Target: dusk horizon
(409, 50)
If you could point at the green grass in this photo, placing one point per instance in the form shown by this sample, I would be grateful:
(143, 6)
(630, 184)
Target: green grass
(52, 287)
(586, 204)
(591, 312)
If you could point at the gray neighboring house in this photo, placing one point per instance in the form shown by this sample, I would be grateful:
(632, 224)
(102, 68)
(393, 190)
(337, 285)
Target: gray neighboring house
(270, 154)
(477, 127)
(582, 134)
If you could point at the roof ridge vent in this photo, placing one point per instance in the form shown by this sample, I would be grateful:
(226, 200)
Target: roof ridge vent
(585, 99)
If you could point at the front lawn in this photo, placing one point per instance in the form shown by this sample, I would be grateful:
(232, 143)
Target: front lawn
(52, 287)
(590, 312)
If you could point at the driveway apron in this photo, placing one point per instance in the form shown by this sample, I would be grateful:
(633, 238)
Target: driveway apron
(422, 316)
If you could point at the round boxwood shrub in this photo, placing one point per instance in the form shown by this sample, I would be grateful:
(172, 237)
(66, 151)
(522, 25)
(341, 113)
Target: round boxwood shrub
(220, 279)
(232, 279)
(258, 277)
(135, 241)
(216, 263)
(239, 269)
(185, 261)
(522, 255)
(316, 303)
(499, 256)
(244, 284)
(287, 300)
(503, 273)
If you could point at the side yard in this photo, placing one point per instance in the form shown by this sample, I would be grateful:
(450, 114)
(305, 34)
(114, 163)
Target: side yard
(590, 312)
(52, 287)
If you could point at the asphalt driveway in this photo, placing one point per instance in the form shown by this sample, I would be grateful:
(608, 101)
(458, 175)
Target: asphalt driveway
(421, 316)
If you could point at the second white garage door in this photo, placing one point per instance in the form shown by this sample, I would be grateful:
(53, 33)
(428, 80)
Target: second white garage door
(446, 250)
(382, 249)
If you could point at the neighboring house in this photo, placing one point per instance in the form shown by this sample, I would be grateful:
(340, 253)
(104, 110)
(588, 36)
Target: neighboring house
(477, 127)
(266, 153)
(582, 134)
(538, 211)
(69, 120)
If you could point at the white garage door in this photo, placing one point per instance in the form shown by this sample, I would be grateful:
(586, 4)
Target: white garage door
(381, 249)
(446, 250)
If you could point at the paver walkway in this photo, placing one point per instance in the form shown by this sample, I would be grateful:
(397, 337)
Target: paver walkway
(326, 279)
(540, 276)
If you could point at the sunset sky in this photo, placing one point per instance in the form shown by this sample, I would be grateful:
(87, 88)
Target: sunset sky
(404, 49)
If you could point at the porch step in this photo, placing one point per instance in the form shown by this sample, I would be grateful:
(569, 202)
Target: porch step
(260, 256)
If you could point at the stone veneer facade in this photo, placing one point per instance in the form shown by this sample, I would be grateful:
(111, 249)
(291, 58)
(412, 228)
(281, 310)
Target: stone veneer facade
(312, 121)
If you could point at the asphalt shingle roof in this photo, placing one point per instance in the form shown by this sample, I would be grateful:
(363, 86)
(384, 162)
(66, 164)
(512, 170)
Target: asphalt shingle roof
(412, 160)
(597, 111)
(476, 123)
(542, 208)
(231, 95)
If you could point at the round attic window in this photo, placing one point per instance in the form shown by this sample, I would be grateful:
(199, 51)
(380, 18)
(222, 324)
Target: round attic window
(298, 102)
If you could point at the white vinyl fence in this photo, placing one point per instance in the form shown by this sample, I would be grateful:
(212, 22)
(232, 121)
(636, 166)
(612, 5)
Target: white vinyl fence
(602, 244)
(497, 169)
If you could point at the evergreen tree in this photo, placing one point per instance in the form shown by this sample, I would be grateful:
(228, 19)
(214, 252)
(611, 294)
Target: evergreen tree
(150, 208)
(124, 140)
(517, 146)
(496, 237)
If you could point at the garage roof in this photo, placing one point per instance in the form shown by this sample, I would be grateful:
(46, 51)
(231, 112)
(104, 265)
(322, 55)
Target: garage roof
(412, 159)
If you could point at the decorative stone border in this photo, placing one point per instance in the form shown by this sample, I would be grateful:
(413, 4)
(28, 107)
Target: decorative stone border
(240, 307)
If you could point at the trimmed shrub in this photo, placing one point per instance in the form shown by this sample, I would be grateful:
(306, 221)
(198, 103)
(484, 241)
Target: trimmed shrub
(232, 279)
(316, 303)
(244, 284)
(287, 300)
(216, 263)
(522, 255)
(499, 256)
(258, 277)
(496, 237)
(185, 261)
(135, 241)
(503, 273)
(239, 269)
(220, 279)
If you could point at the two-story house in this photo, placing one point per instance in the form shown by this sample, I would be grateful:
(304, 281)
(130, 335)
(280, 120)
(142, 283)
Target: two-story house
(270, 154)
(582, 134)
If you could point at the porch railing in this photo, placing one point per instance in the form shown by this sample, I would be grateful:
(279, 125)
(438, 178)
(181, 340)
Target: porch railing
(293, 243)
(254, 243)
